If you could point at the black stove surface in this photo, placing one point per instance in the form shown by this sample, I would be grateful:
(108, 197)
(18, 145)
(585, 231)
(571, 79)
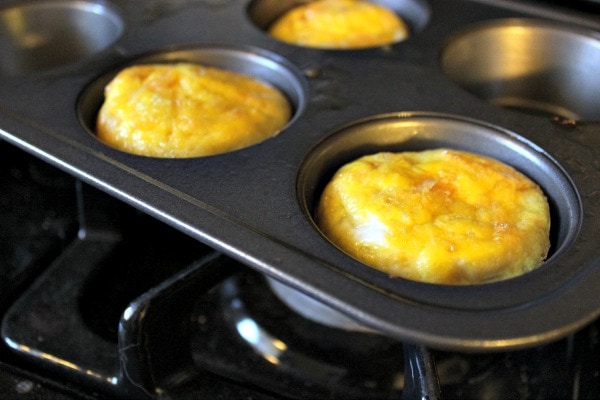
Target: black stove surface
(44, 224)
(100, 302)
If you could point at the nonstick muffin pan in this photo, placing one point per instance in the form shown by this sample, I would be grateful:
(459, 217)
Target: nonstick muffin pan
(474, 75)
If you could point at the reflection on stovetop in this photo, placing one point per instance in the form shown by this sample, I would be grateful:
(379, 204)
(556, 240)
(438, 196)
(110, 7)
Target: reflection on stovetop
(100, 301)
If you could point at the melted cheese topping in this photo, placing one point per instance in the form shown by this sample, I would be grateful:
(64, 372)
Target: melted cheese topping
(188, 110)
(339, 24)
(439, 216)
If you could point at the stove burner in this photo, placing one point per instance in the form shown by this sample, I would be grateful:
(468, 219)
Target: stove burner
(263, 342)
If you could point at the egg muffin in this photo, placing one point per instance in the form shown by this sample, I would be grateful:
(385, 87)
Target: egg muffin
(188, 110)
(339, 24)
(440, 216)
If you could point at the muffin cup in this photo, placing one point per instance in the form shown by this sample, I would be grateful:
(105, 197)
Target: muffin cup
(253, 62)
(38, 36)
(531, 65)
(423, 131)
(415, 13)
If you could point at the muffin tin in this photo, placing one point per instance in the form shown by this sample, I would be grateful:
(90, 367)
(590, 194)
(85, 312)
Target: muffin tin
(467, 78)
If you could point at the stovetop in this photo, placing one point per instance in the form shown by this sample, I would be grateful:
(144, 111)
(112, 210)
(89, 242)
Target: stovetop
(241, 342)
(41, 216)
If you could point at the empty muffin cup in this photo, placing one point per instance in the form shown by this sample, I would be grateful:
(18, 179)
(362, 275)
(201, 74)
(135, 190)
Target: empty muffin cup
(206, 96)
(37, 36)
(425, 131)
(535, 66)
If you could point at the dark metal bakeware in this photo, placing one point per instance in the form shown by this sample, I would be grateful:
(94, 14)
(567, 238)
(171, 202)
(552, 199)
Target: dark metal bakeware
(254, 204)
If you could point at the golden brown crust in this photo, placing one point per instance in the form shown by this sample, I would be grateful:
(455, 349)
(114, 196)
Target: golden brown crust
(339, 24)
(439, 216)
(188, 110)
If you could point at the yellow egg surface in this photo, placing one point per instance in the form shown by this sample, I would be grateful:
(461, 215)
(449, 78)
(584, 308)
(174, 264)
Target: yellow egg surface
(439, 216)
(188, 110)
(339, 24)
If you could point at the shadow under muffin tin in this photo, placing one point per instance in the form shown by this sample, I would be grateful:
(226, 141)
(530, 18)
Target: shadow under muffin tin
(479, 76)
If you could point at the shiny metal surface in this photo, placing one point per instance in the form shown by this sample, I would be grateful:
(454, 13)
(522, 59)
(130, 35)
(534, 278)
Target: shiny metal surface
(537, 66)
